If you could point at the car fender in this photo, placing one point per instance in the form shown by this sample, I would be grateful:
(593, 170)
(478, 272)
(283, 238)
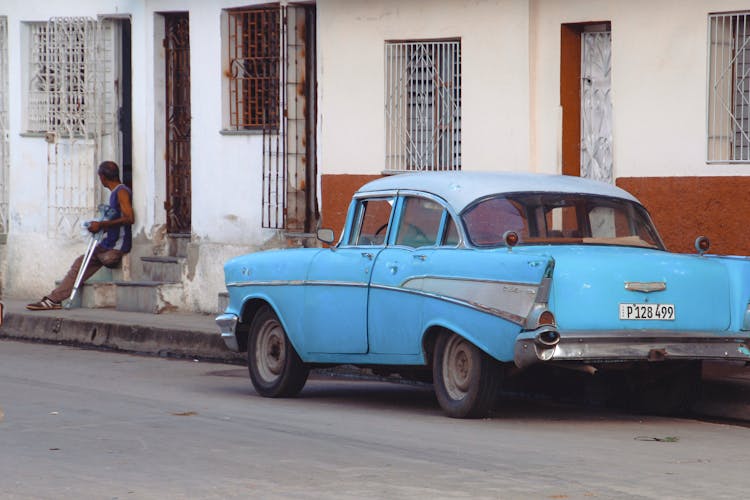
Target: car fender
(493, 335)
(251, 303)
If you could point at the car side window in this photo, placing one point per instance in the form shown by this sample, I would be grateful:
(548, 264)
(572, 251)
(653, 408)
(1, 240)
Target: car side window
(372, 222)
(451, 238)
(420, 222)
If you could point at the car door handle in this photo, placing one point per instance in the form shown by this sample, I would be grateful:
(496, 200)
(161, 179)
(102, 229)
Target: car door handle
(367, 255)
(420, 257)
(392, 267)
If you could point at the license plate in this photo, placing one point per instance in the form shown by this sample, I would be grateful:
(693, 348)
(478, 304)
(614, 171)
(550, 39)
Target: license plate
(659, 312)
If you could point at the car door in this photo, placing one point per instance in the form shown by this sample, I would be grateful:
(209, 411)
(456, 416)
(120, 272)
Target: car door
(395, 302)
(338, 282)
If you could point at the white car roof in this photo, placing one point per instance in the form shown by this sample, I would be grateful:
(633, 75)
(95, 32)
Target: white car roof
(460, 189)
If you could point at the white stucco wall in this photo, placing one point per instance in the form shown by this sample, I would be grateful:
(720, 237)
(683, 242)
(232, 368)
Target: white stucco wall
(510, 110)
(495, 78)
(33, 258)
(226, 169)
(659, 54)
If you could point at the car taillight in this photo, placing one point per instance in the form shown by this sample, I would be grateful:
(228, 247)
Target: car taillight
(546, 318)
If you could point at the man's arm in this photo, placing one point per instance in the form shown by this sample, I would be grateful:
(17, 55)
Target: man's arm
(126, 214)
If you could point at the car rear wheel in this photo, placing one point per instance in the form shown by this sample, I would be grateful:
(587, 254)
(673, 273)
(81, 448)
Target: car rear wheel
(276, 369)
(465, 378)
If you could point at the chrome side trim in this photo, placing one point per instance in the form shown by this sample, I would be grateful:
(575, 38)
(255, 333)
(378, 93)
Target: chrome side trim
(508, 300)
(509, 316)
(511, 298)
(227, 324)
(296, 283)
(634, 345)
(646, 287)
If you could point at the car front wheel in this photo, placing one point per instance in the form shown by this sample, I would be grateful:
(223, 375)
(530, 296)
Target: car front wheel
(276, 369)
(466, 379)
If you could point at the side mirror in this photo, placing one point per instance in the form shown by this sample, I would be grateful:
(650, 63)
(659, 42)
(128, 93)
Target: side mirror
(325, 235)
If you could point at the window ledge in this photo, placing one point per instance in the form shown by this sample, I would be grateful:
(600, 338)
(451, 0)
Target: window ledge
(33, 134)
(225, 131)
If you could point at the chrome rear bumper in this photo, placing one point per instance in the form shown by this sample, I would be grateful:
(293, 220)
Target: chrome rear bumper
(632, 345)
(227, 324)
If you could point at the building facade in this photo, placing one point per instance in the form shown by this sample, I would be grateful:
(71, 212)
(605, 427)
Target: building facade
(244, 125)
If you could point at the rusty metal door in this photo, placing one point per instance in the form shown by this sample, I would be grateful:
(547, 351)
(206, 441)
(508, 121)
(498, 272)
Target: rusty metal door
(177, 55)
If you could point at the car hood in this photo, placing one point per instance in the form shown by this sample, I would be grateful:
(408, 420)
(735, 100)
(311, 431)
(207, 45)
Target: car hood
(589, 284)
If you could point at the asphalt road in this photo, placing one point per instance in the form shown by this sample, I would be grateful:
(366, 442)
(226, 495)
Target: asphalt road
(89, 424)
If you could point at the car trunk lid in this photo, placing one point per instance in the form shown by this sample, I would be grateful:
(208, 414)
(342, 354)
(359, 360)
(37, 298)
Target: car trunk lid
(590, 283)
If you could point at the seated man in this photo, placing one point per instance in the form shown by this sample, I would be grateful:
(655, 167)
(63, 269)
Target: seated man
(116, 242)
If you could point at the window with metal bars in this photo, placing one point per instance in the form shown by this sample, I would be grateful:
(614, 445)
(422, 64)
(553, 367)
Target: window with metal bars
(254, 46)
(423, 105)
(61, 80)
(728, 120)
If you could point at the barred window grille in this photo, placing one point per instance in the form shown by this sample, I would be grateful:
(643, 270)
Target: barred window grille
(70, 95)
(4, 134)
(423, 105)
(38, 98)
(728, 120)
(62, 91)
(254, 60)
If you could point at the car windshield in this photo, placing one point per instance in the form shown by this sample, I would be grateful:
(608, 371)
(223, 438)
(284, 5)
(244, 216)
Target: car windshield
(560, 218)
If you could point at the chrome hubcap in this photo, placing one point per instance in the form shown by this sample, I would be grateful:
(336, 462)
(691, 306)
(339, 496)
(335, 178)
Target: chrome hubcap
(457, 367)
(270, 355)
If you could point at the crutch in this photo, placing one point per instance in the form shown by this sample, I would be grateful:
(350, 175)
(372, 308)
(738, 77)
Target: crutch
(105, 213)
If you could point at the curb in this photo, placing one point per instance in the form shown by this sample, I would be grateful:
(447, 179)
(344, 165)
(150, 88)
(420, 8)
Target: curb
(164, 341)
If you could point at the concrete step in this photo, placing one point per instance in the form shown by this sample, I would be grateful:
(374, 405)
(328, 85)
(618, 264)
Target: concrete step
(93, 295)
(98, 290)
(160, 268)
(148, 296)
(178, 244)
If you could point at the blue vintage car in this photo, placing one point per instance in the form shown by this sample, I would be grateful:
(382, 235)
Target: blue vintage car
(469, 277)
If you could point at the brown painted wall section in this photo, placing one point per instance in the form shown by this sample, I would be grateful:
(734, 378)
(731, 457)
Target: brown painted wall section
(337, 191)
(684, 208)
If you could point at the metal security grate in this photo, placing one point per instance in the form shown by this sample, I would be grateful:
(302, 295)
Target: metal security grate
(254, 56)
(4, 134)
(71, 98)
(728, 121)
(596, 106)
(288, 200)
(423, 105)
(177, 56)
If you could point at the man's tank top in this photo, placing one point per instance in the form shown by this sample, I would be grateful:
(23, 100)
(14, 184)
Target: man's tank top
(118, 238)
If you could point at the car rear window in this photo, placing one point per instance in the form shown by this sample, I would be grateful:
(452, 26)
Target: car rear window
(560, 218)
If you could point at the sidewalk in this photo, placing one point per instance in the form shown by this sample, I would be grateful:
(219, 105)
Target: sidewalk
(726, 388)
(169, 334)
